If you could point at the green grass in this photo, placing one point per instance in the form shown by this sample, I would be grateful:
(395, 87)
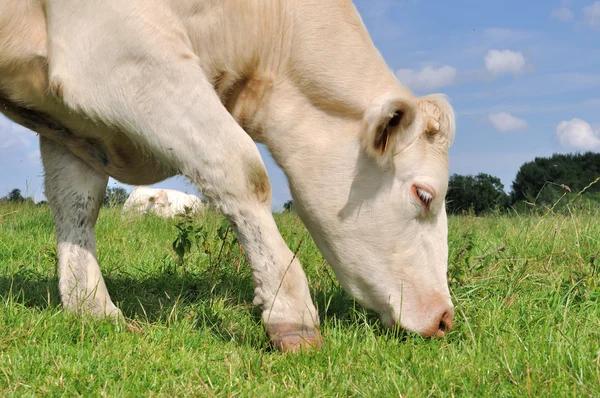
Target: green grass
(527, 323)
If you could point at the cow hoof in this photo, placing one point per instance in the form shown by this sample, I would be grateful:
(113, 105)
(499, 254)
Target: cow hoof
(115, 313)
(287, 337)
(95, 310)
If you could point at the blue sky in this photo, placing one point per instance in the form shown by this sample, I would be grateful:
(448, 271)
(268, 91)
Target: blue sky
(523, 77)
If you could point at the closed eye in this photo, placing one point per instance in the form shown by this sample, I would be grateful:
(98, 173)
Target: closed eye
(423, 195)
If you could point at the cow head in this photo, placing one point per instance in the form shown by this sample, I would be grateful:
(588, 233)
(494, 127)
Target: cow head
(380, 219)
(158, 203)
(408, 282)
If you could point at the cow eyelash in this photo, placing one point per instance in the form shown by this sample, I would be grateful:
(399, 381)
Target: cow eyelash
(423, 195)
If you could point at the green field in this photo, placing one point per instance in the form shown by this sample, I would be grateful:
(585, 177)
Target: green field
(527, 320)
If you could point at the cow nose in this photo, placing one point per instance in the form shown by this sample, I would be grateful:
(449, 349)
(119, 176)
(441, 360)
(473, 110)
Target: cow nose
(445, 324)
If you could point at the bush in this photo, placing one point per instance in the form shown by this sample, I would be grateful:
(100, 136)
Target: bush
(480, 194)
(545, 180)
(115, 196)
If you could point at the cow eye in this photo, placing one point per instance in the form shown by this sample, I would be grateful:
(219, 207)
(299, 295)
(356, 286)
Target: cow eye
(423, 195)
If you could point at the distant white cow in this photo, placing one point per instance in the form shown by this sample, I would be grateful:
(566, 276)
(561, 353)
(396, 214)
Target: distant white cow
(162, 202)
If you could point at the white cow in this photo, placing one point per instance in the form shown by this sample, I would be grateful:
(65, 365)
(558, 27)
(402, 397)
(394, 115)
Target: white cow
(162, 202)
(142, 90)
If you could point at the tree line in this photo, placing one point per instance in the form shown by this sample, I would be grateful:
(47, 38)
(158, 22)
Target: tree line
(15, 196)
(113, 196)
(543, 182)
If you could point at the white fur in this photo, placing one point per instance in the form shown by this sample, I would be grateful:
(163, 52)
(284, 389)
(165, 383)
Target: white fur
(146, 89)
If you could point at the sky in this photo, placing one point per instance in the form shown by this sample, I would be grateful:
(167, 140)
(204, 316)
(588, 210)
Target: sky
(523, 78)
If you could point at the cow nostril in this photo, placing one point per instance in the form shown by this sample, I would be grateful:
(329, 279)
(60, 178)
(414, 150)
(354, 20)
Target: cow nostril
(442, 327)
(445, 324)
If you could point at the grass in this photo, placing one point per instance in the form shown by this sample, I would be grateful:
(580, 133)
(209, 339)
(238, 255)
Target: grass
(527, 323)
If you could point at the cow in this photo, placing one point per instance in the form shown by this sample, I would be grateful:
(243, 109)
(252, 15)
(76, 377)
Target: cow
(142, 90)
(164, 203)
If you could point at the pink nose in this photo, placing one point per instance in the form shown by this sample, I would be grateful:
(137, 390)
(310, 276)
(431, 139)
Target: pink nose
(443, 325)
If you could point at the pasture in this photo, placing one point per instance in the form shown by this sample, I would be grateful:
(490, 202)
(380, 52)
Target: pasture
(527, 322)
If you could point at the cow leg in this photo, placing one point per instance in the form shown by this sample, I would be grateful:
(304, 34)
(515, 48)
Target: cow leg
(236, 182)
(75, 192)
(149, 85)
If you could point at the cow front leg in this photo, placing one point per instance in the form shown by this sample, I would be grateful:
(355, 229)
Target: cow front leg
(75, 192)
(143, 79)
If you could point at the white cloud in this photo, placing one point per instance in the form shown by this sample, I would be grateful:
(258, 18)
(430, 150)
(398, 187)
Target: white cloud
(592, 14)
(504, 122)
(578, 134)
(506, 61)
(427, 78)
(563, 14)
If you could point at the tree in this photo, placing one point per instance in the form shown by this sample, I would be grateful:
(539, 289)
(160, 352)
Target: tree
(115, 196)
(481, 193)
(289, 205)
(545, 180)
(15, 196)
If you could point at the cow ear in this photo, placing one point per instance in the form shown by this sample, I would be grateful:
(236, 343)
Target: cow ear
(386, 125)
